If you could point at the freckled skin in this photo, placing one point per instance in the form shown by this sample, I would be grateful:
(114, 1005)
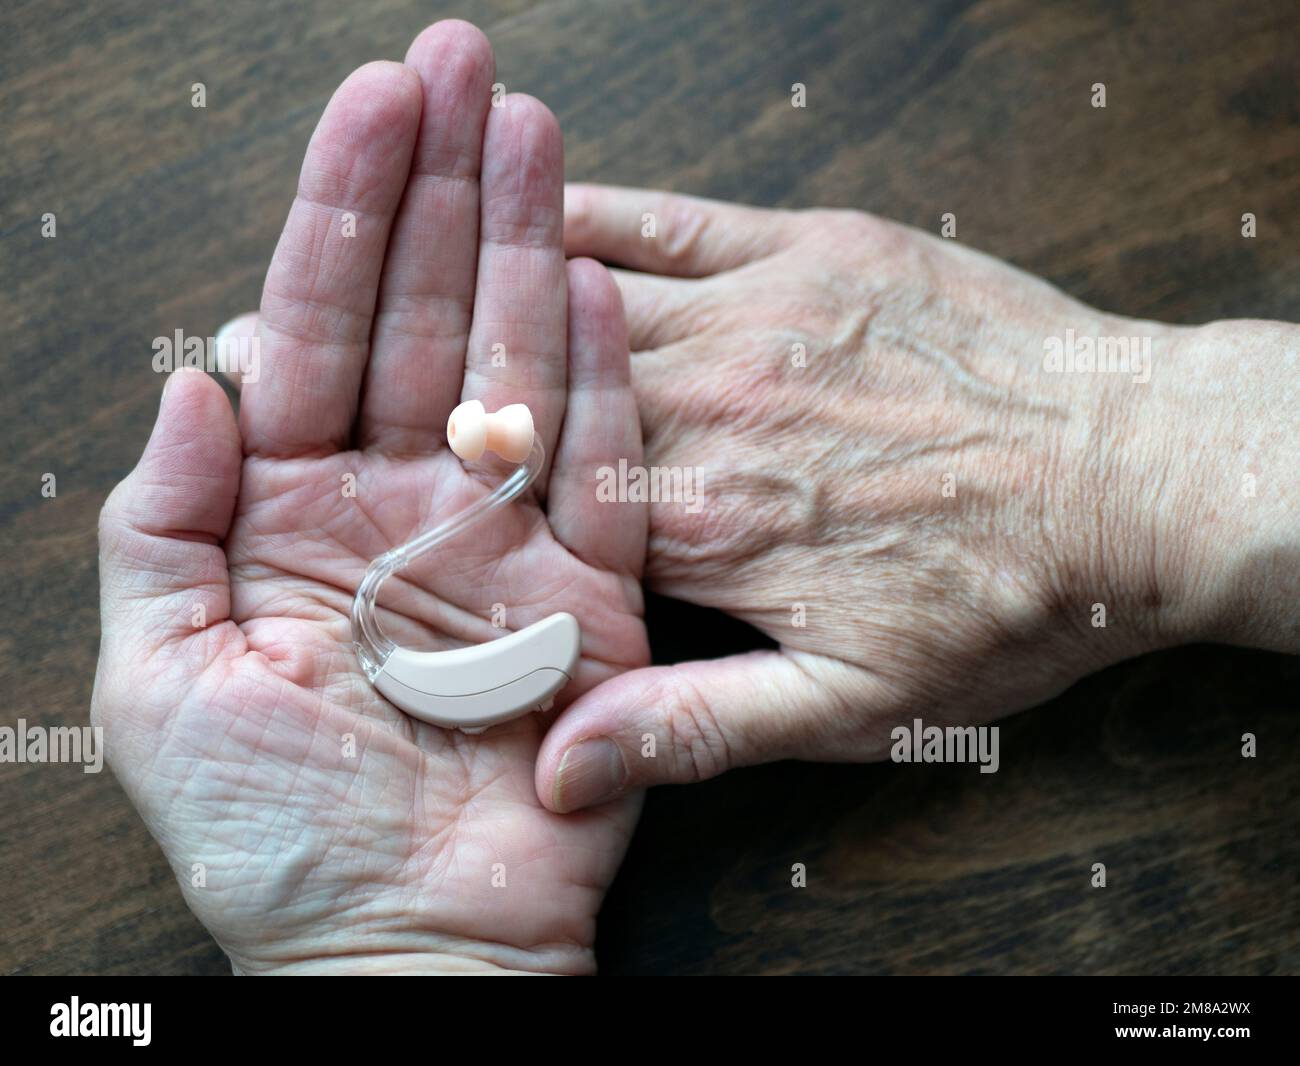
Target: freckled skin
(830, 477)
(947, 511)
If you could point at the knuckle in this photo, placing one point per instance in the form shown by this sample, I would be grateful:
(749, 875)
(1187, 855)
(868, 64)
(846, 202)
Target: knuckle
(683, 231)
(579, 208)
(699, 742)
(856, 234)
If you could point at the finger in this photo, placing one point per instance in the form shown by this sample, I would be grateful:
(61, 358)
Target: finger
(517, 345)
(319, 296)
(426, 297)
(661, 310)
(231, 339)
(162, 569)
(600, 429)
(664, 233)
(702, 718)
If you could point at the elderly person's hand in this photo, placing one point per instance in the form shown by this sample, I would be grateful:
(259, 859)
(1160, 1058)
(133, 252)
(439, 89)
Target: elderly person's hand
(912, 480)
(312, 825)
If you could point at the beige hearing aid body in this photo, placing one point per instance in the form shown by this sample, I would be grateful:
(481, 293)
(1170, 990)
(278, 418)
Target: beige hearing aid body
(483, 685)
(475, 687)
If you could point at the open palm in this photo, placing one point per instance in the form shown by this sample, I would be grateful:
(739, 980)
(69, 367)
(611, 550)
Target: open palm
(310, 822)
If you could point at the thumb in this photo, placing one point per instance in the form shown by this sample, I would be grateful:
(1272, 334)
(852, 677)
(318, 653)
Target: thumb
(676, 724)
(160, 531)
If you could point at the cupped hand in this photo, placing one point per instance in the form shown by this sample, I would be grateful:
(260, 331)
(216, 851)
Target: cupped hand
(894, 482)
(311, 824)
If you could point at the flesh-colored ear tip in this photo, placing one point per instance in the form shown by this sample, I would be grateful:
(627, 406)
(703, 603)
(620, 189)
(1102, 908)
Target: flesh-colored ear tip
(467, 430)
(510, 432)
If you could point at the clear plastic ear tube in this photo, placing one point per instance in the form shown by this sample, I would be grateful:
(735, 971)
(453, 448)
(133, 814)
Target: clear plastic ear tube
(374, 648)
(475, 687)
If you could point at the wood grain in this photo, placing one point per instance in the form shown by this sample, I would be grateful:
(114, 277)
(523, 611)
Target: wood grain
(167, 216)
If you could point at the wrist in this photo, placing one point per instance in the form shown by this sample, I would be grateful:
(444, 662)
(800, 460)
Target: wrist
(466, 960)
(1212, 533)
(1242, 438)
(357, 953)
(394, 965)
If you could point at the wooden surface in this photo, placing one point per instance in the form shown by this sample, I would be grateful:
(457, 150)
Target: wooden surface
(167, 216)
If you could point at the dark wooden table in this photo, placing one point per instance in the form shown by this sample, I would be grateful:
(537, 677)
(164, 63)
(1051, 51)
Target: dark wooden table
(167, 216)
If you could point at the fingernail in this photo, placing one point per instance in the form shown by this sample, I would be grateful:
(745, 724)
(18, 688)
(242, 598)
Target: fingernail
(591, 772)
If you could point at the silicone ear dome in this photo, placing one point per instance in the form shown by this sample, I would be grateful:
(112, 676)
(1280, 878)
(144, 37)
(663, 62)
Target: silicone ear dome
(508, 432)
(467, 430)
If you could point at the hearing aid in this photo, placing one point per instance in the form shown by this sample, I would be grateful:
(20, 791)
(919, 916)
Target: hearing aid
(482, 685)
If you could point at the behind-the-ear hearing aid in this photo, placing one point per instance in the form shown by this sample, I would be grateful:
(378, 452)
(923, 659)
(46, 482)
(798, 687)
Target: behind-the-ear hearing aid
(485, 684)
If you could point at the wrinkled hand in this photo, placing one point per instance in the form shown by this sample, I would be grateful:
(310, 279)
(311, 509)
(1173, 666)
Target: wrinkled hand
(895, 488)
(310, 823)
